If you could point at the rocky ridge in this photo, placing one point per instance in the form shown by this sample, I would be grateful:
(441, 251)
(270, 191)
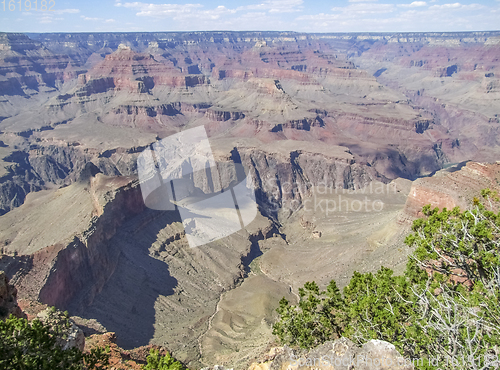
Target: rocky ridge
(453, 187)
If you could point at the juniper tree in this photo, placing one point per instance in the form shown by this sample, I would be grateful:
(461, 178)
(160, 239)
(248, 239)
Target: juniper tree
(446, 305)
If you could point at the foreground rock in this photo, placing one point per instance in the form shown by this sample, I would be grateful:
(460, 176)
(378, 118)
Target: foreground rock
(69, 335)
(341, 354)
(120, 359)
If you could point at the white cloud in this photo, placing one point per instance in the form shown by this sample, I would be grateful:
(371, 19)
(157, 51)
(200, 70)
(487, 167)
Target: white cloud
(90, 18)
(183, 11)
(46, 19)
(63, 11)
(95, 19)
(178, 11)
(416, 16)
(162, 7)
(447, 6)
(354, 16)
(351, 13)
(357, 9)
(211, 13)
(457, 6)
(265, 14)
(276, 6)
(255, 15)
(162, 10)
(414, 4)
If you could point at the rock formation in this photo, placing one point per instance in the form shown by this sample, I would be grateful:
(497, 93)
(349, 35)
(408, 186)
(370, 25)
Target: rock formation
(341, 354)
(454, 187)
(8, 299)
(69, 335)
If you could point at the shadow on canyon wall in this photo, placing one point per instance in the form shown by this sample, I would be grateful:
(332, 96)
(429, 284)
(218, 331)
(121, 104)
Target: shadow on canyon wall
(126, 304)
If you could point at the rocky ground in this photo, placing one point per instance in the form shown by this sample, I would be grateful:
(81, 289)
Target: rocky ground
(340, 354)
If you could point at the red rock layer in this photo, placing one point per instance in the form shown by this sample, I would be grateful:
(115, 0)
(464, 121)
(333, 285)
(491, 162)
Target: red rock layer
(452, 189)
(134, 72)
(8, 299)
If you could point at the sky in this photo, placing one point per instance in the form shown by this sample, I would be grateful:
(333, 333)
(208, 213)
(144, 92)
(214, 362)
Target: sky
(249, 15)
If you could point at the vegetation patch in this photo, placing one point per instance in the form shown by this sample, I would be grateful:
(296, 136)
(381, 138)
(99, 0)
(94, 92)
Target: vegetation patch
(445, 305)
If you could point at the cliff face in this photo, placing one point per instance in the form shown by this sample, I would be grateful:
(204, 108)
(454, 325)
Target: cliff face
(444, 77)
(35, 168)
(133, 72)
(52, 164)
(452, 188)
(87, 262)
(283, 175)
(56, 273)
(8, 299)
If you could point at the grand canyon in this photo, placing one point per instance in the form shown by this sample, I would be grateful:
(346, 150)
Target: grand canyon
(344, 136)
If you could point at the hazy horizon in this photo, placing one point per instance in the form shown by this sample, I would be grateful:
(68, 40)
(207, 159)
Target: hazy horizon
(258, 31)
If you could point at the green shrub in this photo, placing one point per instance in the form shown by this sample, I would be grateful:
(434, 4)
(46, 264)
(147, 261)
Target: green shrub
(159, 362)
(316, 319)
(31, 346)
(446, 305)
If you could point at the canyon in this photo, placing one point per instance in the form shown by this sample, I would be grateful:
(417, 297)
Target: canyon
(344, 136)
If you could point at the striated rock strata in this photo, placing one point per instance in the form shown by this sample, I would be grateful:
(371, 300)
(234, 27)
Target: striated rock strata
(451, 188)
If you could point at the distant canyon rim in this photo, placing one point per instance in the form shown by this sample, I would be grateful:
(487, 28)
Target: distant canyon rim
(345, 137)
